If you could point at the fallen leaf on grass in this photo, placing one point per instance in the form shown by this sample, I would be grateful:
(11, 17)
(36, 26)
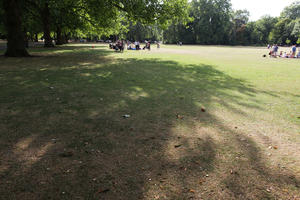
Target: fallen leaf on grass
(179, 116)
(201, 181)
(203, 110)
(285, 190)
(176, 146)
(275, 147)
(192, 191)
(183, 168)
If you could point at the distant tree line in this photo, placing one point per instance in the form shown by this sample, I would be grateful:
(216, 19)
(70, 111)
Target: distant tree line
(214, 22)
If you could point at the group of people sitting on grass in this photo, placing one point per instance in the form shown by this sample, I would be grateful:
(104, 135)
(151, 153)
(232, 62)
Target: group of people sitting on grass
(292, 54)
(136, 45)
(120, 45)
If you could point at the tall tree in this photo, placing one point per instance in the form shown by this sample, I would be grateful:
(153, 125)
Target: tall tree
(292, 11)
(239, 20)
(264, 27)
(14, 28)
(296, 29)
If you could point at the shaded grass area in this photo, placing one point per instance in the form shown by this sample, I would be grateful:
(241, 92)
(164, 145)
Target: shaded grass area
(64, 136)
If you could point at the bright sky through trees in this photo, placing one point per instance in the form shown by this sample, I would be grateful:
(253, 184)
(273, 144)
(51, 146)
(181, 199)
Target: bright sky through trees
(258, 8)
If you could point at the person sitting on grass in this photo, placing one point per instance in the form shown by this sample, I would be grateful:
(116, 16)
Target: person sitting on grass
(291, 55)
(137, 45)
(157, 44)
(121, 46)
(147, 46)
(270, 53)
(284, 55)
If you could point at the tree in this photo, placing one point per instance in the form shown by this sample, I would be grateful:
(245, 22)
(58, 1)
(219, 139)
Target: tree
(239, 20)
(96, 15)
(280, 32)
(292, 12)
(2, 30)
(210, 24)
(13, 26)
(296, 28)
(264, 27)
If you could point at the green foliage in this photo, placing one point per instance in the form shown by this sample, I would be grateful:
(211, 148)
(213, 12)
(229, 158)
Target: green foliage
(138, 31)
(210, 25)
(296, 28)
(292, 11)
(280, 32)
(264, 27)
(239, 28)
(194, 22)
(2, 29)
(216, 23)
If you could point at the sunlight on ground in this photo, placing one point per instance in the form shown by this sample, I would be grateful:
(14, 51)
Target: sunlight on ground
(205, 122)
(28, 154)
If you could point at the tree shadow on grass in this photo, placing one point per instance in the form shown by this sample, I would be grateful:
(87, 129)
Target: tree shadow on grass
(65, 137)
(59, 50)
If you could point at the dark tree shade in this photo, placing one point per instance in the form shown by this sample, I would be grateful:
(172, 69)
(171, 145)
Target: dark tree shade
(13, 24)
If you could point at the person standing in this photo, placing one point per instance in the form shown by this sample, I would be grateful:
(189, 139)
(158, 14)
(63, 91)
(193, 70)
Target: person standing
(294, 49)
(275, 50)
(298, 55)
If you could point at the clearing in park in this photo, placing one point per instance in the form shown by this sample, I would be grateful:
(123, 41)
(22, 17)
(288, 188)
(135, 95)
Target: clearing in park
(193, 122)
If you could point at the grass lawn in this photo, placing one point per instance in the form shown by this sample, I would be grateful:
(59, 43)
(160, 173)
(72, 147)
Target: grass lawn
(205, 122)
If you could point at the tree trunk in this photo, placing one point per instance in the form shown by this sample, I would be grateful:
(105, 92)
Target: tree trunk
(46, 26)
(66, 38)
(36, 39)
(26, 39)
(31, 37)
(59, 38)
(15, 35)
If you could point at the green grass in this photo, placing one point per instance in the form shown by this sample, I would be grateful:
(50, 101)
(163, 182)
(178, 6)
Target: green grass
(63, 135)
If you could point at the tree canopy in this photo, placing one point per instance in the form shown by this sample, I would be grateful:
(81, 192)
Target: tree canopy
(72, 17)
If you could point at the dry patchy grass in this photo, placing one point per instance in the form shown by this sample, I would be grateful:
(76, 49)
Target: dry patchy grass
(63, 134)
